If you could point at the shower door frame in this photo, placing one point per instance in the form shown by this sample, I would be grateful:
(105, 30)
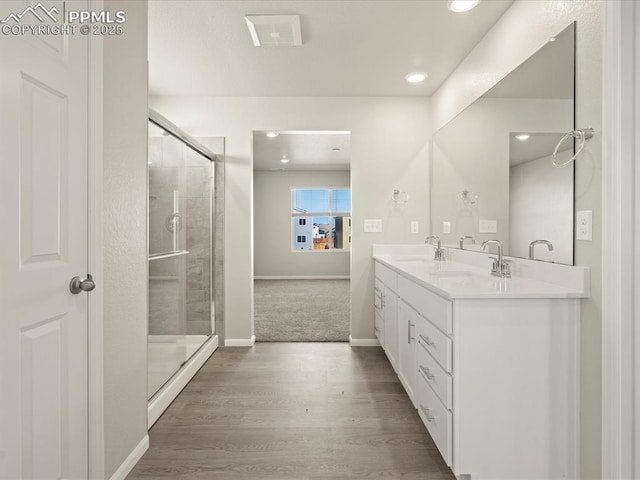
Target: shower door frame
(169, 127)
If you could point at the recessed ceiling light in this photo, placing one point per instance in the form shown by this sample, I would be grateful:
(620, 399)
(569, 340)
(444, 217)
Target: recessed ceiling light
(272, 134)
(335, 149)
(459, 6)
(284, 160)
(523, 137)
(416, 77)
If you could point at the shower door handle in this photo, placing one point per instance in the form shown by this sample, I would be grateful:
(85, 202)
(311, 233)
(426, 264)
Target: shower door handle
(78, 284)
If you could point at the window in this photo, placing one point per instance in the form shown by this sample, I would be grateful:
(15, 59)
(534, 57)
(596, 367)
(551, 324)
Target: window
(321, 218)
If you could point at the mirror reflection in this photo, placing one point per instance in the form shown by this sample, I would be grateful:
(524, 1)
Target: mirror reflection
(492, 173)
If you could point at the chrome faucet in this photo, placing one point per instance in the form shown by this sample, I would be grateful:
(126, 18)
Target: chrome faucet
(473, 242)
(534, 243)
(439, 254)
(500, 266)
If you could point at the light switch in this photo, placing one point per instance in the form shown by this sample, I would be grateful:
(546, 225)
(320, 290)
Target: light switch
(584, 225)
(488, 226)
(415, 227)
(373, 226)
(446, 227)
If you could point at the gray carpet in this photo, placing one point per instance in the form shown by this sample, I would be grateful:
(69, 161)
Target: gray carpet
(302, 310)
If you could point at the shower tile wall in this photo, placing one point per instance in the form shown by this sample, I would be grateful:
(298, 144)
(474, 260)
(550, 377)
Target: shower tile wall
(198, 233)
(179, 287)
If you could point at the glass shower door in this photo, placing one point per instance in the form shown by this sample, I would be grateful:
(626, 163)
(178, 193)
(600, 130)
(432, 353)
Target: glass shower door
(180, 254)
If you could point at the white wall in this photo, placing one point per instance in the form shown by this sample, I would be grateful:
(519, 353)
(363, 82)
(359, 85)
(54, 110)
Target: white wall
(389, 149)
(541, 208)
(273, 252)
(125, 235)
(521, 31)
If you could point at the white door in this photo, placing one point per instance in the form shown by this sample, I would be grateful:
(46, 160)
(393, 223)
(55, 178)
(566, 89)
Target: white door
(43, 225)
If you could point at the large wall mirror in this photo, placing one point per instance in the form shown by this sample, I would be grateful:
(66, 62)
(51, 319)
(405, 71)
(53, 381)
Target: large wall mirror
(492, 171)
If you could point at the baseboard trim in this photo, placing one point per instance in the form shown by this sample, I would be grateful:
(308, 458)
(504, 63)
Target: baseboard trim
(125, 468)
(172, 389)
(304, 277)
(363, 342)
(240, 342)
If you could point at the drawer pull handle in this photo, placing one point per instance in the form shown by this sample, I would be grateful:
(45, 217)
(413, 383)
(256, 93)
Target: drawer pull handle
(378, 298)
(428, 414)
(427, 373)
(428, 340)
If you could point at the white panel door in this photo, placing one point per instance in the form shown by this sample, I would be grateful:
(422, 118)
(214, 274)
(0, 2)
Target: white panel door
(43, 225)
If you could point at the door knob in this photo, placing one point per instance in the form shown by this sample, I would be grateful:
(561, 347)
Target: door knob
(78, 284)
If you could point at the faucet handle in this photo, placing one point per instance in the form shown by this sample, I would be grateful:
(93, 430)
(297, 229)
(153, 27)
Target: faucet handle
(495, 268)
(505, 268)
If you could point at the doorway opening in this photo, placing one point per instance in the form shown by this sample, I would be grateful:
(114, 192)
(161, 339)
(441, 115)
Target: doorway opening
(302, 236)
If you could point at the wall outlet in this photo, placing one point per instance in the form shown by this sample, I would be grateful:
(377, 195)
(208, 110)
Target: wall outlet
(373, 226)
(584, 225)
(446, 227)
(415, 227)
(488, 226)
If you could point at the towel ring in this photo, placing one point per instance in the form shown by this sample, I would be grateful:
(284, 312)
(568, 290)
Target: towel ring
(583, 135)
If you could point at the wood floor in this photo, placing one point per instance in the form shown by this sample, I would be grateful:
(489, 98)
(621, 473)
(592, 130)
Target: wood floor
(304, 411)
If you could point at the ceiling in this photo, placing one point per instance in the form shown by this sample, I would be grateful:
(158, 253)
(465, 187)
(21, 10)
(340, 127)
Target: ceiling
(349, 47)
(304, 150)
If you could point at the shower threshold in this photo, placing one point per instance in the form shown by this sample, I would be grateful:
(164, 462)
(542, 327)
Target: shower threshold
(172, 388)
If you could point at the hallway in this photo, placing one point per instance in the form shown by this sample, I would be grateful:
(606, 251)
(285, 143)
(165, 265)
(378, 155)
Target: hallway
(305, 411)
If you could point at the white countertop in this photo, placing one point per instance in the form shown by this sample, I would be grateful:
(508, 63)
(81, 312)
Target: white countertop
(454, 280)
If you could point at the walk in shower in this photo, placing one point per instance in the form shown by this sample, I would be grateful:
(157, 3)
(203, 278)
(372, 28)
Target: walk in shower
(183, 193)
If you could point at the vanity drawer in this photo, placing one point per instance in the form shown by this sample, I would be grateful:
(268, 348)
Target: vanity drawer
(430, 372)
(437, 419)
(435, 308)
(435, 342)
(387, 276)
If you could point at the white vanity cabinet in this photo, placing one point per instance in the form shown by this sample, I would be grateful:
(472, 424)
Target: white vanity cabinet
(386, 307)
(378, 304)
(391, 328)
(493, 376)
(407, 319)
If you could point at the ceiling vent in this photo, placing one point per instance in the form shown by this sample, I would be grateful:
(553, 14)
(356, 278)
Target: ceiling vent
(274, 30)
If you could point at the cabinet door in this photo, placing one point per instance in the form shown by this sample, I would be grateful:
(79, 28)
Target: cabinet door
(391, 327)
(407, 318)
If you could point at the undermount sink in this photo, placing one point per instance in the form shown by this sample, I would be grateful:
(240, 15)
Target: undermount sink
(452, 273)
(421, 265)
(411, 259)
